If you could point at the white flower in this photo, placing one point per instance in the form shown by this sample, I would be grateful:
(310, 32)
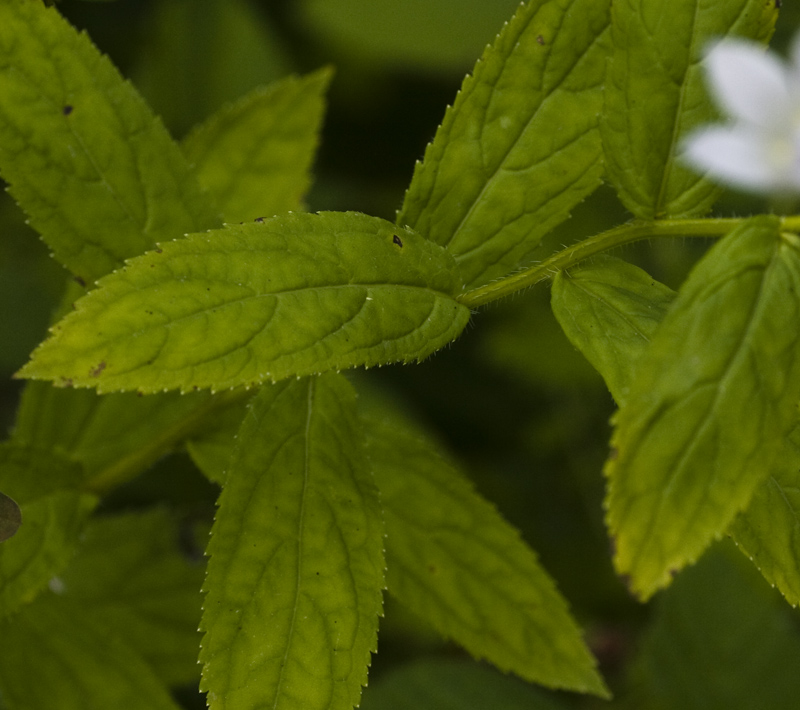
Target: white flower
(759, 149)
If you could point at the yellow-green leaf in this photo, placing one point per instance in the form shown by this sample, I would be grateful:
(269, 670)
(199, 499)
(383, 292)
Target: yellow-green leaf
(95, 170)
(295, 577)
(655, 93)
(292, 295)
(609, 310)
(710, 403)
(255, 155)
(768, 532)
(521, 146)
(456, 562)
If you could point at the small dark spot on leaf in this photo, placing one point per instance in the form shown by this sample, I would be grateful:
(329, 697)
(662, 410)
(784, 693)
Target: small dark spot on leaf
(159, 250)
(67, 110)
(258, 219)
(540, 39)
(80, 281)
(398, 241)
(10, 517)
(97, 370)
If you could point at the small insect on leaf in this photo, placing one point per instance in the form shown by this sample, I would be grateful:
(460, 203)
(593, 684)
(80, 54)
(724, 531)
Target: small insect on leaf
(10, 517)
(398, 241)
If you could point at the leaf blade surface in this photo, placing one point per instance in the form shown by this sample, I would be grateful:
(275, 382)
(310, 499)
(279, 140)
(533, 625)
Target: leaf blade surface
(655, 94)
(53, 511)
(520, 147)
(294, 582)
(294, 295)
(455, 561)
(132, 575)
(255, 155)
(609, 310)
(768, 531)
(95, 170)
(55, 645)
(703, 425)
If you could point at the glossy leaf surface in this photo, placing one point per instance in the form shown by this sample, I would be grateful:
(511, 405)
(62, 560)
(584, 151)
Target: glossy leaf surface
(702, 426)
(655, 94)
(293, 591)
(520, 147)
(293, 295)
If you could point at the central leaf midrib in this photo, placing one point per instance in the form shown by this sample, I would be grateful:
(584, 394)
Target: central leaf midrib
(300, 529)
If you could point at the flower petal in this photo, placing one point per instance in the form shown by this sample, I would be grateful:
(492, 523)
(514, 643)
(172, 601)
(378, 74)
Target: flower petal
(748, 83)
(737, 156)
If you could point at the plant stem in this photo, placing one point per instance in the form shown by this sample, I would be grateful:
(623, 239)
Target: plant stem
(618, 236)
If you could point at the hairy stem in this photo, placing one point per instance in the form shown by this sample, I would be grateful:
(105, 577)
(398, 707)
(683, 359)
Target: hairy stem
(618, 236)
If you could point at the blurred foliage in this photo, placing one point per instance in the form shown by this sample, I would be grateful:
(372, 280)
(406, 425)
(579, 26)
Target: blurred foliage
(513, 400)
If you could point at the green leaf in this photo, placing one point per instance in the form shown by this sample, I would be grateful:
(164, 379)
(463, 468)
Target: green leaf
(53, 515)
(96, 172)
(520, 147)
(292, 295)
(609, 310)
(255, 156)
(720, 640)
(130, 573)
(456, 562)
(768, 532)
(656, 94)
(710, 402)
(296, 570)
(115, 437)
(55, 654)
(436, 684)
